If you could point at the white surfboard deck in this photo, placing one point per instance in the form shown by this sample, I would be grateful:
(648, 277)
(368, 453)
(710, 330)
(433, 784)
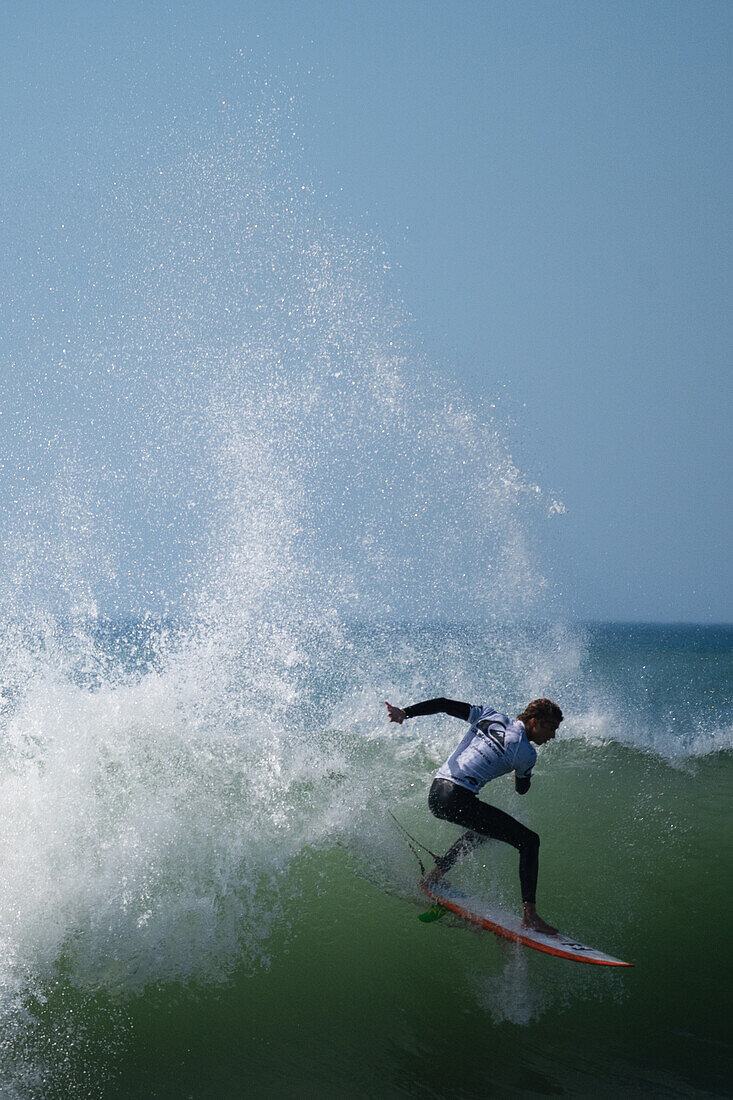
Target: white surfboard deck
(484, 915)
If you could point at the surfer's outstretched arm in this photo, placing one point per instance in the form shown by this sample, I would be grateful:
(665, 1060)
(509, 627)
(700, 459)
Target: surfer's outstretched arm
(430, 706)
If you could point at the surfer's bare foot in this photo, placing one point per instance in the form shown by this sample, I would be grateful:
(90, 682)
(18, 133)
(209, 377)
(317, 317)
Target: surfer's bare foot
(531, 919)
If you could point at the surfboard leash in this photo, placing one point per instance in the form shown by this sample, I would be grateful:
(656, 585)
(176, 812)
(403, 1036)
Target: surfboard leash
(412, 841)
(436, 911)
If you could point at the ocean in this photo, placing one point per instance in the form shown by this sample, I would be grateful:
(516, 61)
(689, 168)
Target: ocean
(243, 511)
(204, 894)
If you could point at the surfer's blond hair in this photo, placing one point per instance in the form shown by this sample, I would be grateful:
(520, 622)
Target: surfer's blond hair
(544, 709)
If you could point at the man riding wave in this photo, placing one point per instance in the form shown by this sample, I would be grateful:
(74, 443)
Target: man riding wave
(494, 745)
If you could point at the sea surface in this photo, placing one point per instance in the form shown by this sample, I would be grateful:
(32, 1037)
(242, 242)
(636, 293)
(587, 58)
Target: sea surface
(204, 893)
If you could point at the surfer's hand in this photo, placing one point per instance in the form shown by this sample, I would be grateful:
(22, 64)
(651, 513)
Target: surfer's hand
(396, 714)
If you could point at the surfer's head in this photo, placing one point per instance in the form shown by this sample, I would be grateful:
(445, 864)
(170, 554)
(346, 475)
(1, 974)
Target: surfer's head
(541, 719)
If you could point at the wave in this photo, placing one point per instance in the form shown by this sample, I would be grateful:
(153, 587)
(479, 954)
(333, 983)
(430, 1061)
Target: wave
(171, 818)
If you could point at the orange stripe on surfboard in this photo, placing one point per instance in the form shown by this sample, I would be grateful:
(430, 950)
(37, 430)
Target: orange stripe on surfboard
(482, 921)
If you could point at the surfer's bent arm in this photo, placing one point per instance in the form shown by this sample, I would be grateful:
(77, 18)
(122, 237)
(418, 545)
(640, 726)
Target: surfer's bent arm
(430, 706)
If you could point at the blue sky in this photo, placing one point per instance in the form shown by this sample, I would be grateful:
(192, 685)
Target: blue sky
(550, 181)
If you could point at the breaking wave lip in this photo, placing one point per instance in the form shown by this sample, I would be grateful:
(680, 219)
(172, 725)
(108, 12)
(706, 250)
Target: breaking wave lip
(711, 742)
(598, 728)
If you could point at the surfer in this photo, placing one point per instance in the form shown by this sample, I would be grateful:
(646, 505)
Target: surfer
(494, 745)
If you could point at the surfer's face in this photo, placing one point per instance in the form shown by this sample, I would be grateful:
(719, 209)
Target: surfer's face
(541, 730)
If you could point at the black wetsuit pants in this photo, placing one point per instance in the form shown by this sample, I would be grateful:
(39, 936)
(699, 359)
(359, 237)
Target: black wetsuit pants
(456, 804)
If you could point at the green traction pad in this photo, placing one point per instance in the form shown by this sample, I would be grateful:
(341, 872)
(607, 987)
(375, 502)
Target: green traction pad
(435, 912)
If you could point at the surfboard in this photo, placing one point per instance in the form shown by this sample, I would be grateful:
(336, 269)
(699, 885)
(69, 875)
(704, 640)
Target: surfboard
(478, 912)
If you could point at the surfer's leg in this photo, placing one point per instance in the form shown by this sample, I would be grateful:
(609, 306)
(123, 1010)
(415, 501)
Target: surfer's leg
(465, 844)
(452, 803)
(500, 826)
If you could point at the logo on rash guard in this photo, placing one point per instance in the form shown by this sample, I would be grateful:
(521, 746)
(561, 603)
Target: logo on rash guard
(494, 732)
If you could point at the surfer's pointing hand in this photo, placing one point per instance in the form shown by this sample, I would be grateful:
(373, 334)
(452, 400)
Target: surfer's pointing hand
(396, 714)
